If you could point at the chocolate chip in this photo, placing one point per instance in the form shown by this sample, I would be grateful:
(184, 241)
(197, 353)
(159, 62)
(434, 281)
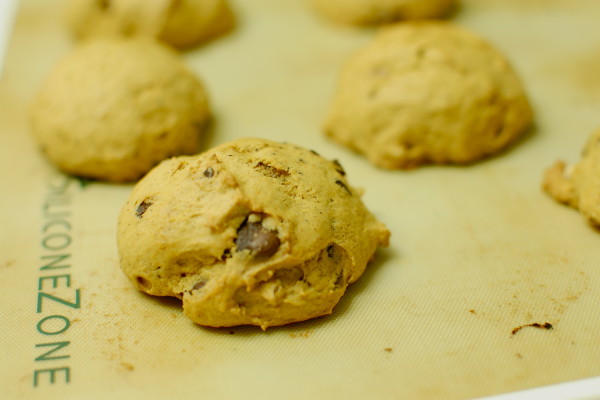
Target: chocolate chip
(271, 171)
(254, 237)
(226, 254)
(330, 251)
(209, 172)
(141, 209)
(339, 168)
(199, 285)
(343, 185)
(143, 282)
(339, 279)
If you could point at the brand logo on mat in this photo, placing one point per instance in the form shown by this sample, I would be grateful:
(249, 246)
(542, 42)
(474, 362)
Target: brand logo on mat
(58, 301)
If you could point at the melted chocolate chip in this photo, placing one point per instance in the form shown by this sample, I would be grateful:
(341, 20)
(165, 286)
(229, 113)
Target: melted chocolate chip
(209, 172)
(330, 251)
(141, 209)
(199, 285)
(260, 241)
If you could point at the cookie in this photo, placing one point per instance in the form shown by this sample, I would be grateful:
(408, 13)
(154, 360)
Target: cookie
(181, 23)
(427, 92)
(114, 108)
(378, 12)
(251, 232)
(578, 186)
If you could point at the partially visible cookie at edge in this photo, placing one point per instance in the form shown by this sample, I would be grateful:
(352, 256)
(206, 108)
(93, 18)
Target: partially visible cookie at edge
(250, 232)
(180, 23)
(380, 12)
(578, 186)
(427, 93)
(114, 108)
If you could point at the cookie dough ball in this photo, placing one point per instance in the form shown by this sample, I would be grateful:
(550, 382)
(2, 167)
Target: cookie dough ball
(181, 23)
(114, 108)
(579, 185)
(427, 92)
(377, 12)
(251, 232)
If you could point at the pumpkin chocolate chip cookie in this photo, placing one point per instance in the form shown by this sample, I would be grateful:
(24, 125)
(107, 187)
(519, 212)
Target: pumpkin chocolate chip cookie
(181, 23)
(250, 232)
(579, 185)
(427, 92)
(114, 108)
(377, 12)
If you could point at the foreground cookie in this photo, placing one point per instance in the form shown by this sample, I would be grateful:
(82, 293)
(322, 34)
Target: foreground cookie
(377, 12)
(251, 232)
(181, 23)
(579, 186)
(113, 109)
(427, 92)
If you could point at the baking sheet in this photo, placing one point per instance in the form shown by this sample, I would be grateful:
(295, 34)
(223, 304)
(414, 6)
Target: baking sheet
(475, 251)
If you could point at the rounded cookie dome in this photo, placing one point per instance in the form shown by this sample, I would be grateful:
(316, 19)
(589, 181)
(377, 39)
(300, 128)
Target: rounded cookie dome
(377, 12)
(114, 108)
(427, 92)
(181, 23)
(250, 232)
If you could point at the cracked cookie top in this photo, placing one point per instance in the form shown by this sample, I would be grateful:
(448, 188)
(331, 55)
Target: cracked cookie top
(250, 232)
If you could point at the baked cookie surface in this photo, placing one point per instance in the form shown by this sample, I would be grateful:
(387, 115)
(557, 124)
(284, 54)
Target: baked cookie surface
(114, 108)
(377, 12)
(250, 232)
(181, 23)
(427, 92)
(578, 186)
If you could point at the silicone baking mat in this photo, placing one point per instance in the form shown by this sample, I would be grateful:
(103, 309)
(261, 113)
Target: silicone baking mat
(476, 252)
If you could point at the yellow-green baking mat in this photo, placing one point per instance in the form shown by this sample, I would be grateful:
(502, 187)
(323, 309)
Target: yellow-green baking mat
(475, 251)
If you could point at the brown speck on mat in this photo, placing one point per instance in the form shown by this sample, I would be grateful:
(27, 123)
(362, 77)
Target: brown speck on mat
(545, 325)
